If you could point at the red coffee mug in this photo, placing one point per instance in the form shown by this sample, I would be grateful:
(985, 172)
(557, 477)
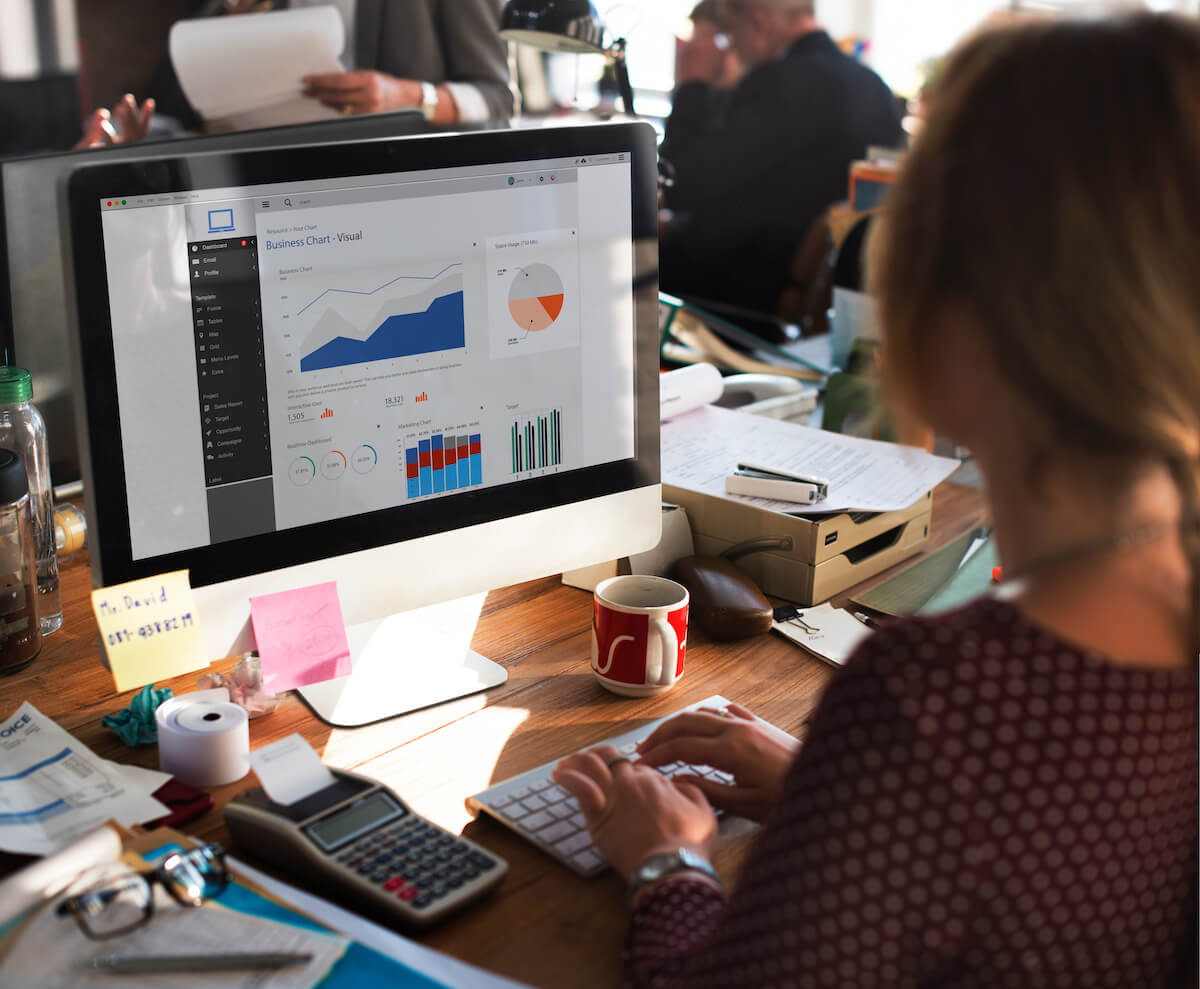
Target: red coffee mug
(639, 634)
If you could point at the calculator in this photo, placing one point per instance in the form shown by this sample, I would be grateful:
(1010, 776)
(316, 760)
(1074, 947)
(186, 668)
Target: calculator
(355, 841)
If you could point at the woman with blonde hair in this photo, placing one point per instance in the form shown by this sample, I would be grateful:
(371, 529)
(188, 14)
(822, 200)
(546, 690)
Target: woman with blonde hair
(1005, 794)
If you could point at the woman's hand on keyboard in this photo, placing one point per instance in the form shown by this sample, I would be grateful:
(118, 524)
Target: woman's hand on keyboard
(633, 811)
(734, 741)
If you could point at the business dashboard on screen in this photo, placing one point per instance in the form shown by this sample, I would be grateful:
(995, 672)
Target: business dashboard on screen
(314, 350)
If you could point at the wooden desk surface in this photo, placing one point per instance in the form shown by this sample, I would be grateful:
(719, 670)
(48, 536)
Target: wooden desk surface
(545, 925)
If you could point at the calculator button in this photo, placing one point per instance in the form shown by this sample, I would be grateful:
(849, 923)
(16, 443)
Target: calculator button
(423, 900)
(394, 883)
(383, 858)
(408, 893)
(471, 873)
(454, 882)
(482, 861)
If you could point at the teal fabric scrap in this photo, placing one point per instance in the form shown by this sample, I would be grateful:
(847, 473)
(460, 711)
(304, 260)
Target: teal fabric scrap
(136, 725)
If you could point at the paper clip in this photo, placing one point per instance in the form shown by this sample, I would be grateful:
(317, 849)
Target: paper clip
(788, 613)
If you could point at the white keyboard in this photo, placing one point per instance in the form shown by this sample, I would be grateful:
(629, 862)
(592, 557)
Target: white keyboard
(540, 810)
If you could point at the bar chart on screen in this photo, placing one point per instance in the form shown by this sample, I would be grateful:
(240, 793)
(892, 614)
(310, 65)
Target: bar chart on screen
(536, 441)
(442, 462)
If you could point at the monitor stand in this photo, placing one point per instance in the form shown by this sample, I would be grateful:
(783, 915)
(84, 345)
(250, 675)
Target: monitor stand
(405, 662)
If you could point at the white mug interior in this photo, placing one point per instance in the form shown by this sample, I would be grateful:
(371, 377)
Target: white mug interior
(635, 591)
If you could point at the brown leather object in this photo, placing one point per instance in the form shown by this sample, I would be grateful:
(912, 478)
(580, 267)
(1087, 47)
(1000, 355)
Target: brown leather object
(725, 602)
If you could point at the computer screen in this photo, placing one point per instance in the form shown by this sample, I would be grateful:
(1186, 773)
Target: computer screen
(31, 251)
(418, 367)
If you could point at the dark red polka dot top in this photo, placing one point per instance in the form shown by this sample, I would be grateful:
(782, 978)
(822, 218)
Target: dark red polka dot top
(977, 803)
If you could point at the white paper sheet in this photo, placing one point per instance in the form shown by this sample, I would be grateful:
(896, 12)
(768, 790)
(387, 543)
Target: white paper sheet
(53, 952)
(699, 449)
(248, 68)
(54, 789)
(827, 632)
(290, 770)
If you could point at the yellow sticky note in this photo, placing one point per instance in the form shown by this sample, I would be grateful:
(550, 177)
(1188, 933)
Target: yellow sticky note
(150, 629)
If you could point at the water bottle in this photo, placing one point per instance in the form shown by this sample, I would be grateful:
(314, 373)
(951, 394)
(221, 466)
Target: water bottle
(23, 431)
(20, 631)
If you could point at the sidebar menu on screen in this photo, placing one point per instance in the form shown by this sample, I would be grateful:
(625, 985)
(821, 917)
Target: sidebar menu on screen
(227, 322)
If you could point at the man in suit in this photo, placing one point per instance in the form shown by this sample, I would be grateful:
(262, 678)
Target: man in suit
(756, 165)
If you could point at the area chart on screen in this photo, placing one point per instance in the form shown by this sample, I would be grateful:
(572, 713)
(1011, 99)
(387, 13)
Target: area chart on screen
(443, 462)
(536, 297)
(441, 326)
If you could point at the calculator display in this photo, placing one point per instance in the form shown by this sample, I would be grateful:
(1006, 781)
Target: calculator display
(331, 831)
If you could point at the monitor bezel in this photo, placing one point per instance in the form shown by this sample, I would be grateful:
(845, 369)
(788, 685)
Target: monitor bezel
(103, 457)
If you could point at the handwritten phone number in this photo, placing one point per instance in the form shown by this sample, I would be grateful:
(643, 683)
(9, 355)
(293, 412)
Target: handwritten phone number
(150, 629)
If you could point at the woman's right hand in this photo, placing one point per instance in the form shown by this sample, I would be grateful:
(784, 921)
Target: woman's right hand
(757, 755)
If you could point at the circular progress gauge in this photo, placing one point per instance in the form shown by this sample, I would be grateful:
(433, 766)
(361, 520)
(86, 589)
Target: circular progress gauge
(535, 297)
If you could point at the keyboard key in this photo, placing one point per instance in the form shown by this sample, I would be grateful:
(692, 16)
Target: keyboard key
(588, 859)
(535, 821)
(557, 830)
(521, 793)
(577, 820)
(561, 810)
(541, 785)
(533, 803)
(555, 793)
(571, 845)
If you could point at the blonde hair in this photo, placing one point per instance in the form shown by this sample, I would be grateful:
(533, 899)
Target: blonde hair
(1054, 196)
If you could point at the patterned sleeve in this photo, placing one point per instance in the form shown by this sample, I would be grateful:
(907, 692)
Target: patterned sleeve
(844, 885)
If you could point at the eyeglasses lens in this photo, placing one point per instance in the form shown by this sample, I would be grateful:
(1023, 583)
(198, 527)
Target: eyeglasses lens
(195, 876)
(118, 906)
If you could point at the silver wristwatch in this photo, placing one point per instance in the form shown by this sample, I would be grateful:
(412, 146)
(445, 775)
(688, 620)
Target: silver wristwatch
(429, 100)
(658, 866)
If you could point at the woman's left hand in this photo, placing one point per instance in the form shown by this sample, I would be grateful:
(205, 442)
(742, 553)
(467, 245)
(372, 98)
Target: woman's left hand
(633, 811)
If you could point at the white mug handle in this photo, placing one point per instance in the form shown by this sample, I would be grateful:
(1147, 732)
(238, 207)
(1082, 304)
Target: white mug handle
(669, 655)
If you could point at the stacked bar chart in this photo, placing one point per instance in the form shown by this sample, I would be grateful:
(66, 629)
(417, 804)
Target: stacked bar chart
(537, 442)
(443, 462)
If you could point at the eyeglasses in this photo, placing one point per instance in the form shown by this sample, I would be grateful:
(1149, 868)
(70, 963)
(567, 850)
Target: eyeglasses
(122, 903)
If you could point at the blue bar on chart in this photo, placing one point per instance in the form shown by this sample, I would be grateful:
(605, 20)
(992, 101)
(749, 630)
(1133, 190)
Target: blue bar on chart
(439, 463)
(464, 462)
(451, 455)
(412, 472)
(537, 443)
(476, 451)
(426, 462)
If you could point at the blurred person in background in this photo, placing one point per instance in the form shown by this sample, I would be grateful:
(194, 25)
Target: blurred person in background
(393, 52)
(755, 166)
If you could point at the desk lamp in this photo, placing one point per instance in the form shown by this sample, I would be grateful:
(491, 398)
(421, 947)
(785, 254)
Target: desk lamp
(566, 26)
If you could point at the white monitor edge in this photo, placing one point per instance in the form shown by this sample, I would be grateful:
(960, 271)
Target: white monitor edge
(381, 581)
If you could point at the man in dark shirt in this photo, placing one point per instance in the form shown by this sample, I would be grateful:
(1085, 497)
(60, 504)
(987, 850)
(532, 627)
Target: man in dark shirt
(755, 166)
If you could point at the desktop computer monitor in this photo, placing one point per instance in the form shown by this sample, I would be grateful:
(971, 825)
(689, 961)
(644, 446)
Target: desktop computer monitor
(422, 368)
(32, 293)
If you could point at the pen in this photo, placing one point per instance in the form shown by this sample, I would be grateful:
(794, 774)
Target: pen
(149, 964)
(867, 620)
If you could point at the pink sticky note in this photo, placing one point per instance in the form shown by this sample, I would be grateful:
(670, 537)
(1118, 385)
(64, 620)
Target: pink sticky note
(301, 636)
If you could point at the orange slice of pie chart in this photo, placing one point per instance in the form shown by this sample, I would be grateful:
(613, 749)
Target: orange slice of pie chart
(535, 297)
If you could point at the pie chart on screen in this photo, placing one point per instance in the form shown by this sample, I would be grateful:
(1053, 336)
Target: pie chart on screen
(536, 297)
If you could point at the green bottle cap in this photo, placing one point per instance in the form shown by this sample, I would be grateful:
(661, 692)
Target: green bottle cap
(16, 385)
